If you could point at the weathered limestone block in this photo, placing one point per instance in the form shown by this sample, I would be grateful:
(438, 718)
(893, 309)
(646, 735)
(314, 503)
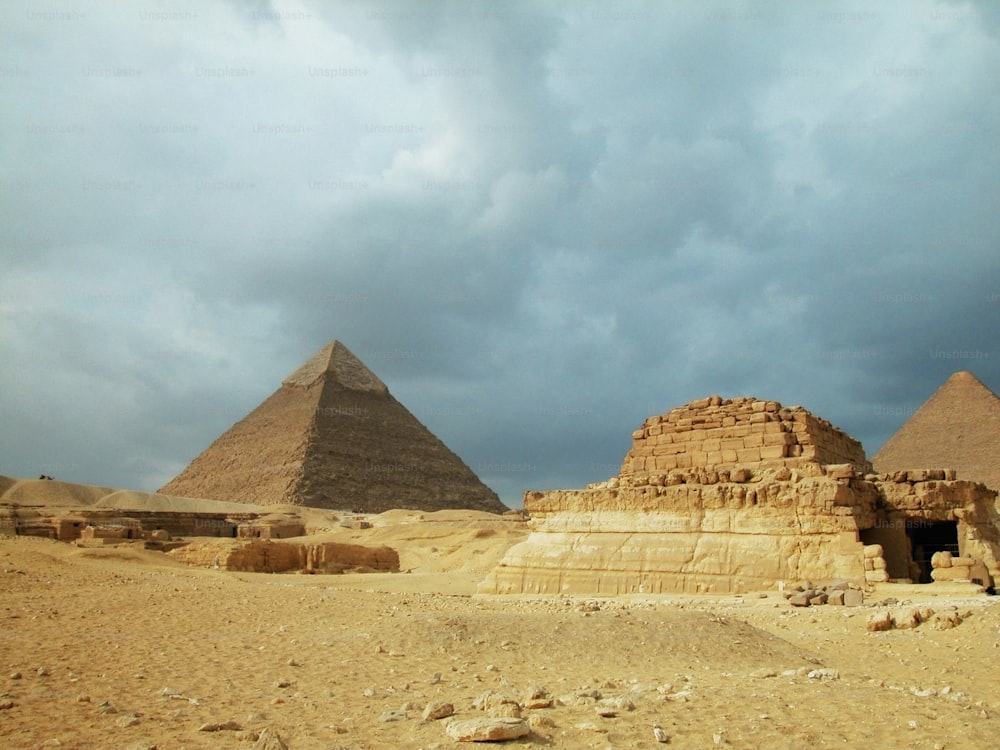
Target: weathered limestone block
(976, 572)
(941, 559)
(487, 729)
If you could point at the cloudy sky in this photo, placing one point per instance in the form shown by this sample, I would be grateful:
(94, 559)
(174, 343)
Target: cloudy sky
(539, 223)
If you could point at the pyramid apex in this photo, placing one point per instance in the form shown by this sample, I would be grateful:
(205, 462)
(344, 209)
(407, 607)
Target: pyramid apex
(338, 361)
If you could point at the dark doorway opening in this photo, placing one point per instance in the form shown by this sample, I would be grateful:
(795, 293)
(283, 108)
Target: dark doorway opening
(928, 537)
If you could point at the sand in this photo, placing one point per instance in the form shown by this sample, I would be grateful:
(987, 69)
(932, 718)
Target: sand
(125, 648)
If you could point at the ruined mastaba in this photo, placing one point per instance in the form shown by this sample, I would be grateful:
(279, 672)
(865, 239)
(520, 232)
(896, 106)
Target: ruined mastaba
(732, 495)
(332, 436)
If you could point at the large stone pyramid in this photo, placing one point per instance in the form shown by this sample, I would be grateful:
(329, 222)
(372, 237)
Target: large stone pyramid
(957, 428)
(334, 437)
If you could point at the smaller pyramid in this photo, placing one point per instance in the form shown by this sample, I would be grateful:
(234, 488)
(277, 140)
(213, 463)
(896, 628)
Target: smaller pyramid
(332, 436)
(956, 428)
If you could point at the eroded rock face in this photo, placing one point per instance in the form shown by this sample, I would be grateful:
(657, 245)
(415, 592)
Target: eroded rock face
(716, 538)
(726, 496)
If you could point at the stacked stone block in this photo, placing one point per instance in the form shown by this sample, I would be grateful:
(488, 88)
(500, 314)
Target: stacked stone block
(719, 434)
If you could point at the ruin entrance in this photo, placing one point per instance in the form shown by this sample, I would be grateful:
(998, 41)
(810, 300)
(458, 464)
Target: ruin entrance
(928, 537)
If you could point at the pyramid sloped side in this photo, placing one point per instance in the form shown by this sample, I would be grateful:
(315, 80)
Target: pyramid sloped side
(957, 428)
(259, 459)
(368, 453)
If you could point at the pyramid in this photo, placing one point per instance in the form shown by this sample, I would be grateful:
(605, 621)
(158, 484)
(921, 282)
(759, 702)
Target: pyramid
(332, 436)
(956, 428)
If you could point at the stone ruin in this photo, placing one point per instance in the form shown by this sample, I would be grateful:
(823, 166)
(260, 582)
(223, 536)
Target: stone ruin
(732, 495)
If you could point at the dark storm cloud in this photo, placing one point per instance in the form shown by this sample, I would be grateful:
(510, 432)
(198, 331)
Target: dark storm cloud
(538, 223)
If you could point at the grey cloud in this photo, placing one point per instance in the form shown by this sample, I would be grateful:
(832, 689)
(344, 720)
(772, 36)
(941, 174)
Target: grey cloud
(537, 224)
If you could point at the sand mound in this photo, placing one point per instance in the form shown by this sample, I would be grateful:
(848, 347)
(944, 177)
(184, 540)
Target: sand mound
(132, 500)
(134, 554)
(52, 494)
(442, 542)
(6, 483)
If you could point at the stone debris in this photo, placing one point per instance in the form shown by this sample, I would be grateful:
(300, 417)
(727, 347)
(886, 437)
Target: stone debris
(438, 710)
(824, 674)
(538, 722)
(489, 729)
(268, 739)
(393, 715)
(879, 622)
(537, 697)
(226, 726)
(128, 720)
(838, 593)
(660, 736)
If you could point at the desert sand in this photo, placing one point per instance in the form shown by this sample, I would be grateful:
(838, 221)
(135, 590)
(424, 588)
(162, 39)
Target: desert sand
(128, 648)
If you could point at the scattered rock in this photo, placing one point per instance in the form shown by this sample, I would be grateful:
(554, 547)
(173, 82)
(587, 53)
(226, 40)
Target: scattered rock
(15, 675)
(438, 710)
(879, 621)
(824, 674)
(540, 721)
(660, 735)
(269, 740)
(227, 726)
(42, 672)
(945, 620)
(394, 715)
(6, 703)
(128, 720)
(487, 729)
(906, 619)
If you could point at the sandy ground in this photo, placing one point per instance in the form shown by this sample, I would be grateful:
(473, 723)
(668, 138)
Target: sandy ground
(124, 648)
